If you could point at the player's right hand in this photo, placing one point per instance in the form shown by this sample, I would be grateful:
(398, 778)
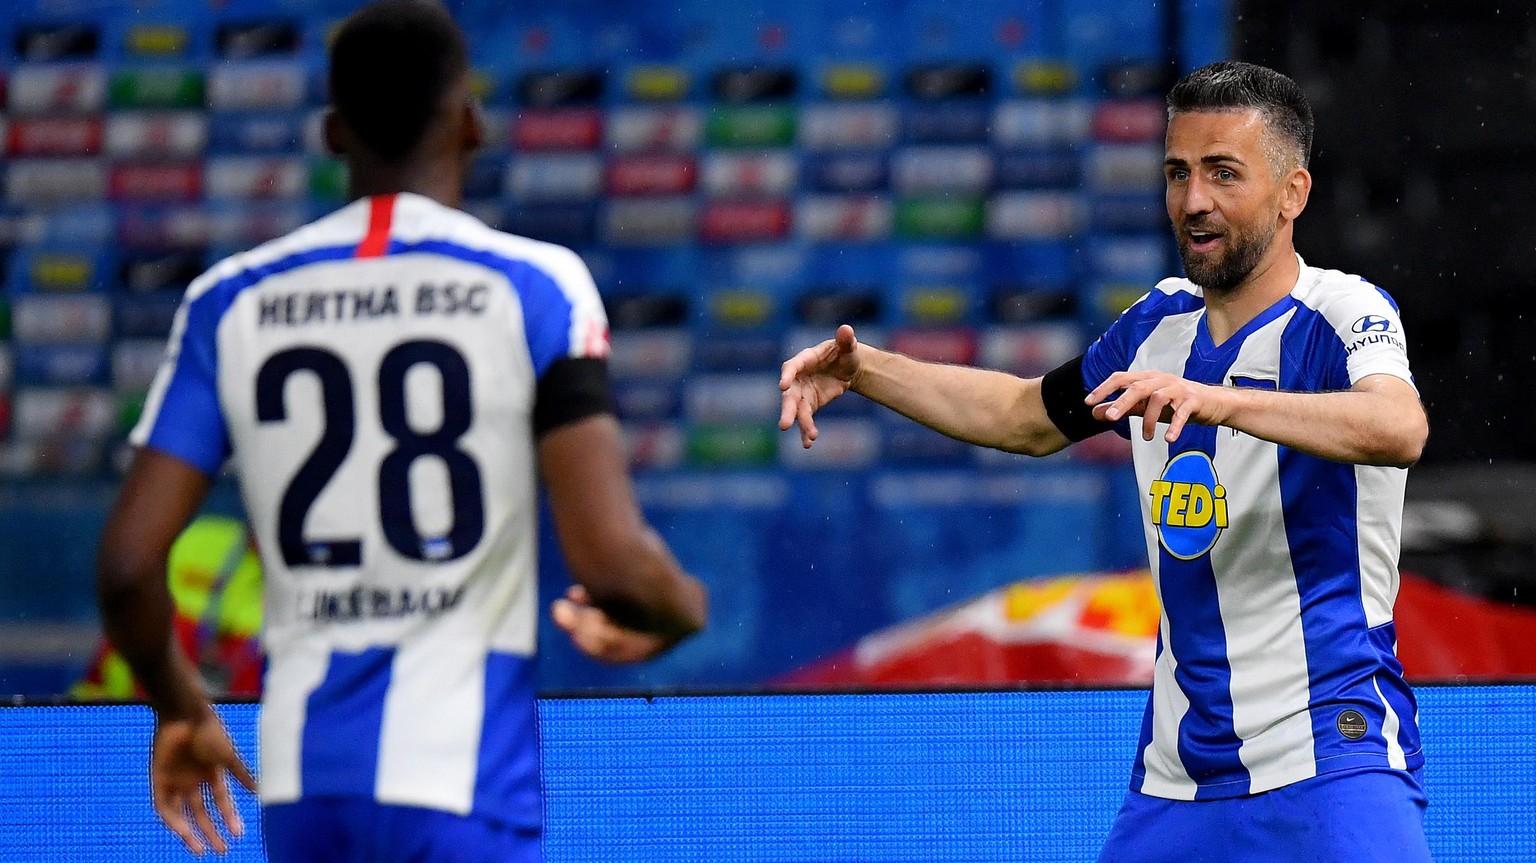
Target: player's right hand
(815, 376)
(191, 755)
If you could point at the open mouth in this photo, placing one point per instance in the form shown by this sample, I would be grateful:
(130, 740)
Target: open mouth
(1203, 241)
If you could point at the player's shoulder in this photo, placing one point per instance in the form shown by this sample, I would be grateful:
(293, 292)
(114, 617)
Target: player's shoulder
(1340, 297)
(1171, 296)
(340, 229)
(427, 221)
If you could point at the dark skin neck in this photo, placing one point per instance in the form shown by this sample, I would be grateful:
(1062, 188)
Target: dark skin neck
(436, 178)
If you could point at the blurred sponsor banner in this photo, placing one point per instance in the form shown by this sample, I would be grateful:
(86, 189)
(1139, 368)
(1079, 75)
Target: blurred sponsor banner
(567, 224)
(1030, 350)
(6, 367)
(754, 84)
(951, 345)
(842, 443)
(1101, 629)
(557, 129)
(156, 88)
(947, 123)
(64, 455)
(54, 136)
(61, 365)
(243, 39)
(744, 221)
(135, 362)
(751, 126)
(935, 170)
(844, 217)
(256, 85)
(1035, 215)
(558, 177)
(156, 40)
(140, 134)
(61, 272)
(1041, 122)
(749, 174)
(57, 89)
(659, 353)
(1125, 168)
(657, 83)
(848, 172)
(654, 445)
(246, 177)
(940, 218)
(1139, 211)
(949, 81)
(731, 445)
(653, 128)
(1038, 168)
(55, 181)
(1130, 120)
(146, 315)
(849, 127)
(560, 88)
(155, 271)
(853, 80)
(53, 319)
(262, 132)
(649, 221)
(648, 400)
(47, 42)
(652, 174)
(713, 398)
(155, 182)
(72, 412)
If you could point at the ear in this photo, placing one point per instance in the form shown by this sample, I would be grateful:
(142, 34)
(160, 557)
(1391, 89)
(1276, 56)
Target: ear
(472, 127)
(338, 137)
(1294, 191)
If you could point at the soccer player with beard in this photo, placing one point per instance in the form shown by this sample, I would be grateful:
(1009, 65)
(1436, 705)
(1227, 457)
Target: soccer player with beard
(1272, 416)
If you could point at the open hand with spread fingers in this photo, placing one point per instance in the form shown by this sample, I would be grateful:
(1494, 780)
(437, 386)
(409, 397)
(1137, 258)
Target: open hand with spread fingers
(814, 377)
(1158, 397)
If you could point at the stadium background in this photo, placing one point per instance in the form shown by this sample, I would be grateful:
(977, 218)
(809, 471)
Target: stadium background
(970, 182)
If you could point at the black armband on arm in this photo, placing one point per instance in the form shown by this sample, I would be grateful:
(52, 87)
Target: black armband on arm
(1062, 391)
(572, 389)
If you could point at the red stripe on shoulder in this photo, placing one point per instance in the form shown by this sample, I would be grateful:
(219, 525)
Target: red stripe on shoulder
(381, 213)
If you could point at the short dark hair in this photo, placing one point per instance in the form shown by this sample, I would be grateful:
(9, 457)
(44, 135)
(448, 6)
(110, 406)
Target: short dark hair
(1233, 85)
(391, 63)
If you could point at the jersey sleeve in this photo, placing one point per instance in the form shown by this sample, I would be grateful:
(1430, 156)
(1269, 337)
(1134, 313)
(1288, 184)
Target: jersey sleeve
(1369, 326)
(568, 320)
(182, 416)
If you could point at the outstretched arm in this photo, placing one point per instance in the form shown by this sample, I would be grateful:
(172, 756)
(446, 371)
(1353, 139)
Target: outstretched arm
(192, 751)
(631, 600)
(1379, 420)
(978, 406)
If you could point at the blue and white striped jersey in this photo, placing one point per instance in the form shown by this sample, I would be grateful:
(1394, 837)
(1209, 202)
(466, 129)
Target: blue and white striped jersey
(372, 376)
(1277, 570)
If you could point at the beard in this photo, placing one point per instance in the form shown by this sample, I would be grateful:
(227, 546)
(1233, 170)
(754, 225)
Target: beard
(1226, 270)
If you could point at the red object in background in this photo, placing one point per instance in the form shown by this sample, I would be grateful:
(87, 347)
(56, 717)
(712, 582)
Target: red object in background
(744, 221)
(152, 182)
(1130, 121)
(558, 129)
(652, 175)
(55, 136)
(1101, 630)
(953, 345)
(1443, 634)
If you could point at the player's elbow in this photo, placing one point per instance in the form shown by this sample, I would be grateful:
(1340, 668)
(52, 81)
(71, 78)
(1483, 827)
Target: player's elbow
(1401, 444)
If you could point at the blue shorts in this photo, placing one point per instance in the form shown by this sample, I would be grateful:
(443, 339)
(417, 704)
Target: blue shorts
(355, 830)
(1368, 815)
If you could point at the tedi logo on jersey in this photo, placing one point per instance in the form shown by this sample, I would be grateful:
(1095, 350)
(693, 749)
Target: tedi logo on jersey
(1189, 506)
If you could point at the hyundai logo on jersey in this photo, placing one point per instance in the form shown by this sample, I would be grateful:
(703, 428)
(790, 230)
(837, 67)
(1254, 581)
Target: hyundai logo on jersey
(1374, 324)
(1189, 506)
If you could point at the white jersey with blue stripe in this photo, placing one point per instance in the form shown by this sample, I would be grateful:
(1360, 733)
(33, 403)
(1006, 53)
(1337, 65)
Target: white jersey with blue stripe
(372, 376)
(1277, 570)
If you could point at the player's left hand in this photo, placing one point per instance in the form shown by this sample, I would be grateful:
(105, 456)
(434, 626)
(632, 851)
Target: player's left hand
(1158, 397)
(192, 756)
(598, 636)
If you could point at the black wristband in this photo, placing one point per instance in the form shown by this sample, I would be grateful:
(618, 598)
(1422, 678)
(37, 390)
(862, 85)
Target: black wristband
(1063, 392)
(572, 388)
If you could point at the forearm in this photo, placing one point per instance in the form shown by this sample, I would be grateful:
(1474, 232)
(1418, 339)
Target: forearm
(644, 588)
(978, 406)
(138, 616)
(1354, 427)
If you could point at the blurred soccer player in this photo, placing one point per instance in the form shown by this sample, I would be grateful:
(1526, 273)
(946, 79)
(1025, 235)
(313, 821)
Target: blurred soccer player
(388, 382)
(1272, 413)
